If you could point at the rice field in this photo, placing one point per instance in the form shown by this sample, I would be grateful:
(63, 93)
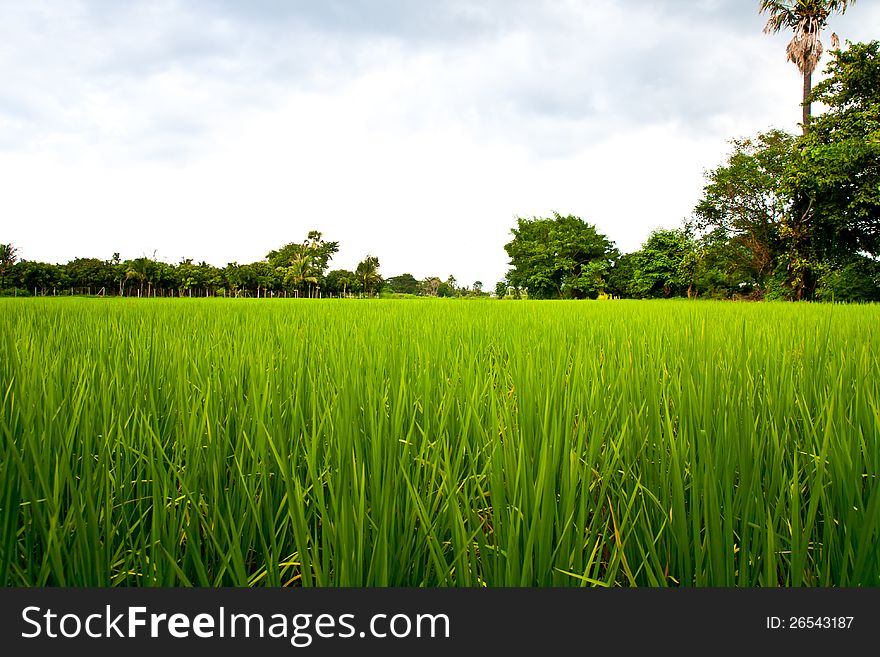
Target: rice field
(438, 443)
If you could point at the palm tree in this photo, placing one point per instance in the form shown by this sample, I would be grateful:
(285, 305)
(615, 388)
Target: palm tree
(301, 270)
(367, 273)
(807, 18)
(8, 257)
(138, 269)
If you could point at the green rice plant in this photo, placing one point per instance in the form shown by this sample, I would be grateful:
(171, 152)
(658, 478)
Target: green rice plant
(210, 442)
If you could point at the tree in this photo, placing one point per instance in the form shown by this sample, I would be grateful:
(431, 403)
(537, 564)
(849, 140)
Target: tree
(187, 276)
(210, 278)
(138, 270)
(320, 250)
(501, 289)
(367, 273)
(40, 276)
(796, 209)
(265, 277)
(85, 273)
(833, 179)
(301, 270)
(314, 246)
(621, 275)
(404, 284)
(118, 267)
(232, 278)
(856, 279)
(837, 165)
(430, 286)
(302, 265)
(165, 277)
(807, 19)
(559, 257)
(744, 199)
(341, 282)
(720, 266)
(660, 266)
(8, 258)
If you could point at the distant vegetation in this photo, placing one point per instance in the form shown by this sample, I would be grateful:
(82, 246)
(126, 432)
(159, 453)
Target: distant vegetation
(297, 269)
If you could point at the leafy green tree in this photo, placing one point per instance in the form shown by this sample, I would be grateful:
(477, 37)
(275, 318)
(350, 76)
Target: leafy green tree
(165, 277)
(341, 282)
(118, 267)
(720, 267)
(559, 257)
(138, 270)
(187, 277)
(856, 279)
(501, 289)
(301, 266)
(659, 266)
(837, 165)
(90, 273)
(210, 277)
(832, 182)
(233, 278)
(403, 284)
(743, 198)
(807, 19)
(621, 275)
(8, 258)
(40, 277)
(247, 279)
(264, 276)
(318, 251)
(28, 275)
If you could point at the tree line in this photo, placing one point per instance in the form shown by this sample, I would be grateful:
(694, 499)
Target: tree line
(297, 269)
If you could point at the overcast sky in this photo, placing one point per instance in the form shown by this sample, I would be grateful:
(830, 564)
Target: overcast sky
(413, 130)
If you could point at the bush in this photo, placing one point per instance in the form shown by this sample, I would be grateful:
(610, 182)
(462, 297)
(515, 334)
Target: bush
(13, 292)
(857, 280)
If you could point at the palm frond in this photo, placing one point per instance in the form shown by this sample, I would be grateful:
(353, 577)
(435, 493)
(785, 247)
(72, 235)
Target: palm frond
(839, 5)
(805, 48)
(781, 15)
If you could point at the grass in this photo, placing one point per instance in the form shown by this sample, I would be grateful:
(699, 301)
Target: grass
(431, 443)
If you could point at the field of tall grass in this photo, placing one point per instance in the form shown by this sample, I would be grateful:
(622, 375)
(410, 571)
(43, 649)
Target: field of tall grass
(438, 443)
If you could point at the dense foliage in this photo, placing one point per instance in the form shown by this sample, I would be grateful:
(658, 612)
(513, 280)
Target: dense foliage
(559, 257)
(297, 269)
(805, 211)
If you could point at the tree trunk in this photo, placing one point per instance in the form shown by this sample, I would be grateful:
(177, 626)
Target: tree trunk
(808, 87)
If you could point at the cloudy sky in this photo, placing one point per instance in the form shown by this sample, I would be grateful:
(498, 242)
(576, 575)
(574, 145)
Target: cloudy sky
(414, 130)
